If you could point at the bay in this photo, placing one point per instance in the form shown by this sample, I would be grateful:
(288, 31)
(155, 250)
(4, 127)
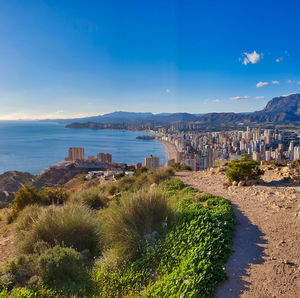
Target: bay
(33, 146)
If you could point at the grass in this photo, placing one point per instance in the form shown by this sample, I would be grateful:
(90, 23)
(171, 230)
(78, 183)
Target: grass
(71, 226)
(127, 224)
(93, 198)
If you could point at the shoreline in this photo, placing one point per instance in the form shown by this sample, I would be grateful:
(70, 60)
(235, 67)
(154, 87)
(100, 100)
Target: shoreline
(171, 149)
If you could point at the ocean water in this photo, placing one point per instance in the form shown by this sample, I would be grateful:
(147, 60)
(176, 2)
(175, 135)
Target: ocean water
(33, 146)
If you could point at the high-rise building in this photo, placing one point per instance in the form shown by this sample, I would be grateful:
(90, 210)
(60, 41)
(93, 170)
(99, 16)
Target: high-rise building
(105, 158)
(291, 151)
(76, 153)
(268, 155)
(151, 162)
(296, 152)
(256, 156)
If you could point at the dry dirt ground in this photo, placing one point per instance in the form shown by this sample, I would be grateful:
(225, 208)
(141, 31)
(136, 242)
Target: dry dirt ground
(266, 258)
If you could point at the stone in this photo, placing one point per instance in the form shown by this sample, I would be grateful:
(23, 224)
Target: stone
(285, 170)
(234, 183)
(241, 183)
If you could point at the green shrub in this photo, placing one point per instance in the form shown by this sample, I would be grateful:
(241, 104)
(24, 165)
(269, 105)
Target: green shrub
(243, 169)
(71, 226)
(141, 171)
(171, 185)
(63, 268)
(125, 225)
(18, 271)
(28, 195)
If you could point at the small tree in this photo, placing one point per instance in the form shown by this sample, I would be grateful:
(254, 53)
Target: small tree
(243, 169)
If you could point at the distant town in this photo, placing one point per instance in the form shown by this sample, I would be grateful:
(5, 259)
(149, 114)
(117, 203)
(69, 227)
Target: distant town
(200, 150)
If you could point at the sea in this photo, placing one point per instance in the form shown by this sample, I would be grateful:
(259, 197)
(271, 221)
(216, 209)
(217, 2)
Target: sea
(33, 146)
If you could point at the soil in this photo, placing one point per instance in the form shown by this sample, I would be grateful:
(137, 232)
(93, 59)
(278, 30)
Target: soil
(266, 257)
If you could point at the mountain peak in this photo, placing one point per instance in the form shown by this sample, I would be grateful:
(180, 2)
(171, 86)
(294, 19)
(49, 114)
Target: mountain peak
(284, 104)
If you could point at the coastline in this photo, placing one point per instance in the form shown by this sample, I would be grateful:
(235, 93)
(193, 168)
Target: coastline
(172, 151)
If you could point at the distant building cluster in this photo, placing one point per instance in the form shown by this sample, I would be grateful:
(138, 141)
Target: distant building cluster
(76, 154)
(200, 150)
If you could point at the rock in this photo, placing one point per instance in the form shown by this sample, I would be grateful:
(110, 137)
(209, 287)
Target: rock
(285, 170)
(241, 183)
(234, 183)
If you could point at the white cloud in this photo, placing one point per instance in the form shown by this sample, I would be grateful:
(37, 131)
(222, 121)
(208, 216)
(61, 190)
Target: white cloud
(261, 84)
(298, 82)
(239, 97)
(253, 58)
(260, 97)
(275, 82)
(217, 100)
(278, 59)
(167, 90)
(291, 81)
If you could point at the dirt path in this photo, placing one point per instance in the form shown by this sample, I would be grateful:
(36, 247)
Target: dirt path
(266, 258)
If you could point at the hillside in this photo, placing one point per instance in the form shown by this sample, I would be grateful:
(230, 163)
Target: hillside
(11, 181)
(143, 236)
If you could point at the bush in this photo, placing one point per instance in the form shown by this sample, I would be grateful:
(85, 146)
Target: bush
(71, 226)
(178, 166)
(295, 164)
(243, 169)
(18, 271)
(172, 185)
(62, 267)
(127, 224)
(28, 195)
(93, 198)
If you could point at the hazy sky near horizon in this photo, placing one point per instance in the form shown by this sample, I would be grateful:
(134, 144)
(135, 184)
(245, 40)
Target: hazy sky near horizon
(76, 58)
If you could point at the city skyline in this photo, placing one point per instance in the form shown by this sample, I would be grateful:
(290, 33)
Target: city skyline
(69, 60)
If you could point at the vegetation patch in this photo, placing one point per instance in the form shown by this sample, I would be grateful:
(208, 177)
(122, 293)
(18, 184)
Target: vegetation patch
(151, 237)
(243, 169)
(187, 261)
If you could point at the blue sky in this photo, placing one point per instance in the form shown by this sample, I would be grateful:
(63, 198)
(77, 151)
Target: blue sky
(75, 58)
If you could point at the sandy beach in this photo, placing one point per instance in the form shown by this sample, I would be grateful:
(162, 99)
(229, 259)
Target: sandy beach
(170, 148)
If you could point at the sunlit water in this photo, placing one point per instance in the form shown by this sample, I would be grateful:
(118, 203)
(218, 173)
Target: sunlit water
(33, 146)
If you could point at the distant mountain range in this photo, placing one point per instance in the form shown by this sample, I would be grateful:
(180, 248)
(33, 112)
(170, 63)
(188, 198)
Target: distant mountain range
(280, 109)
(131, 117)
